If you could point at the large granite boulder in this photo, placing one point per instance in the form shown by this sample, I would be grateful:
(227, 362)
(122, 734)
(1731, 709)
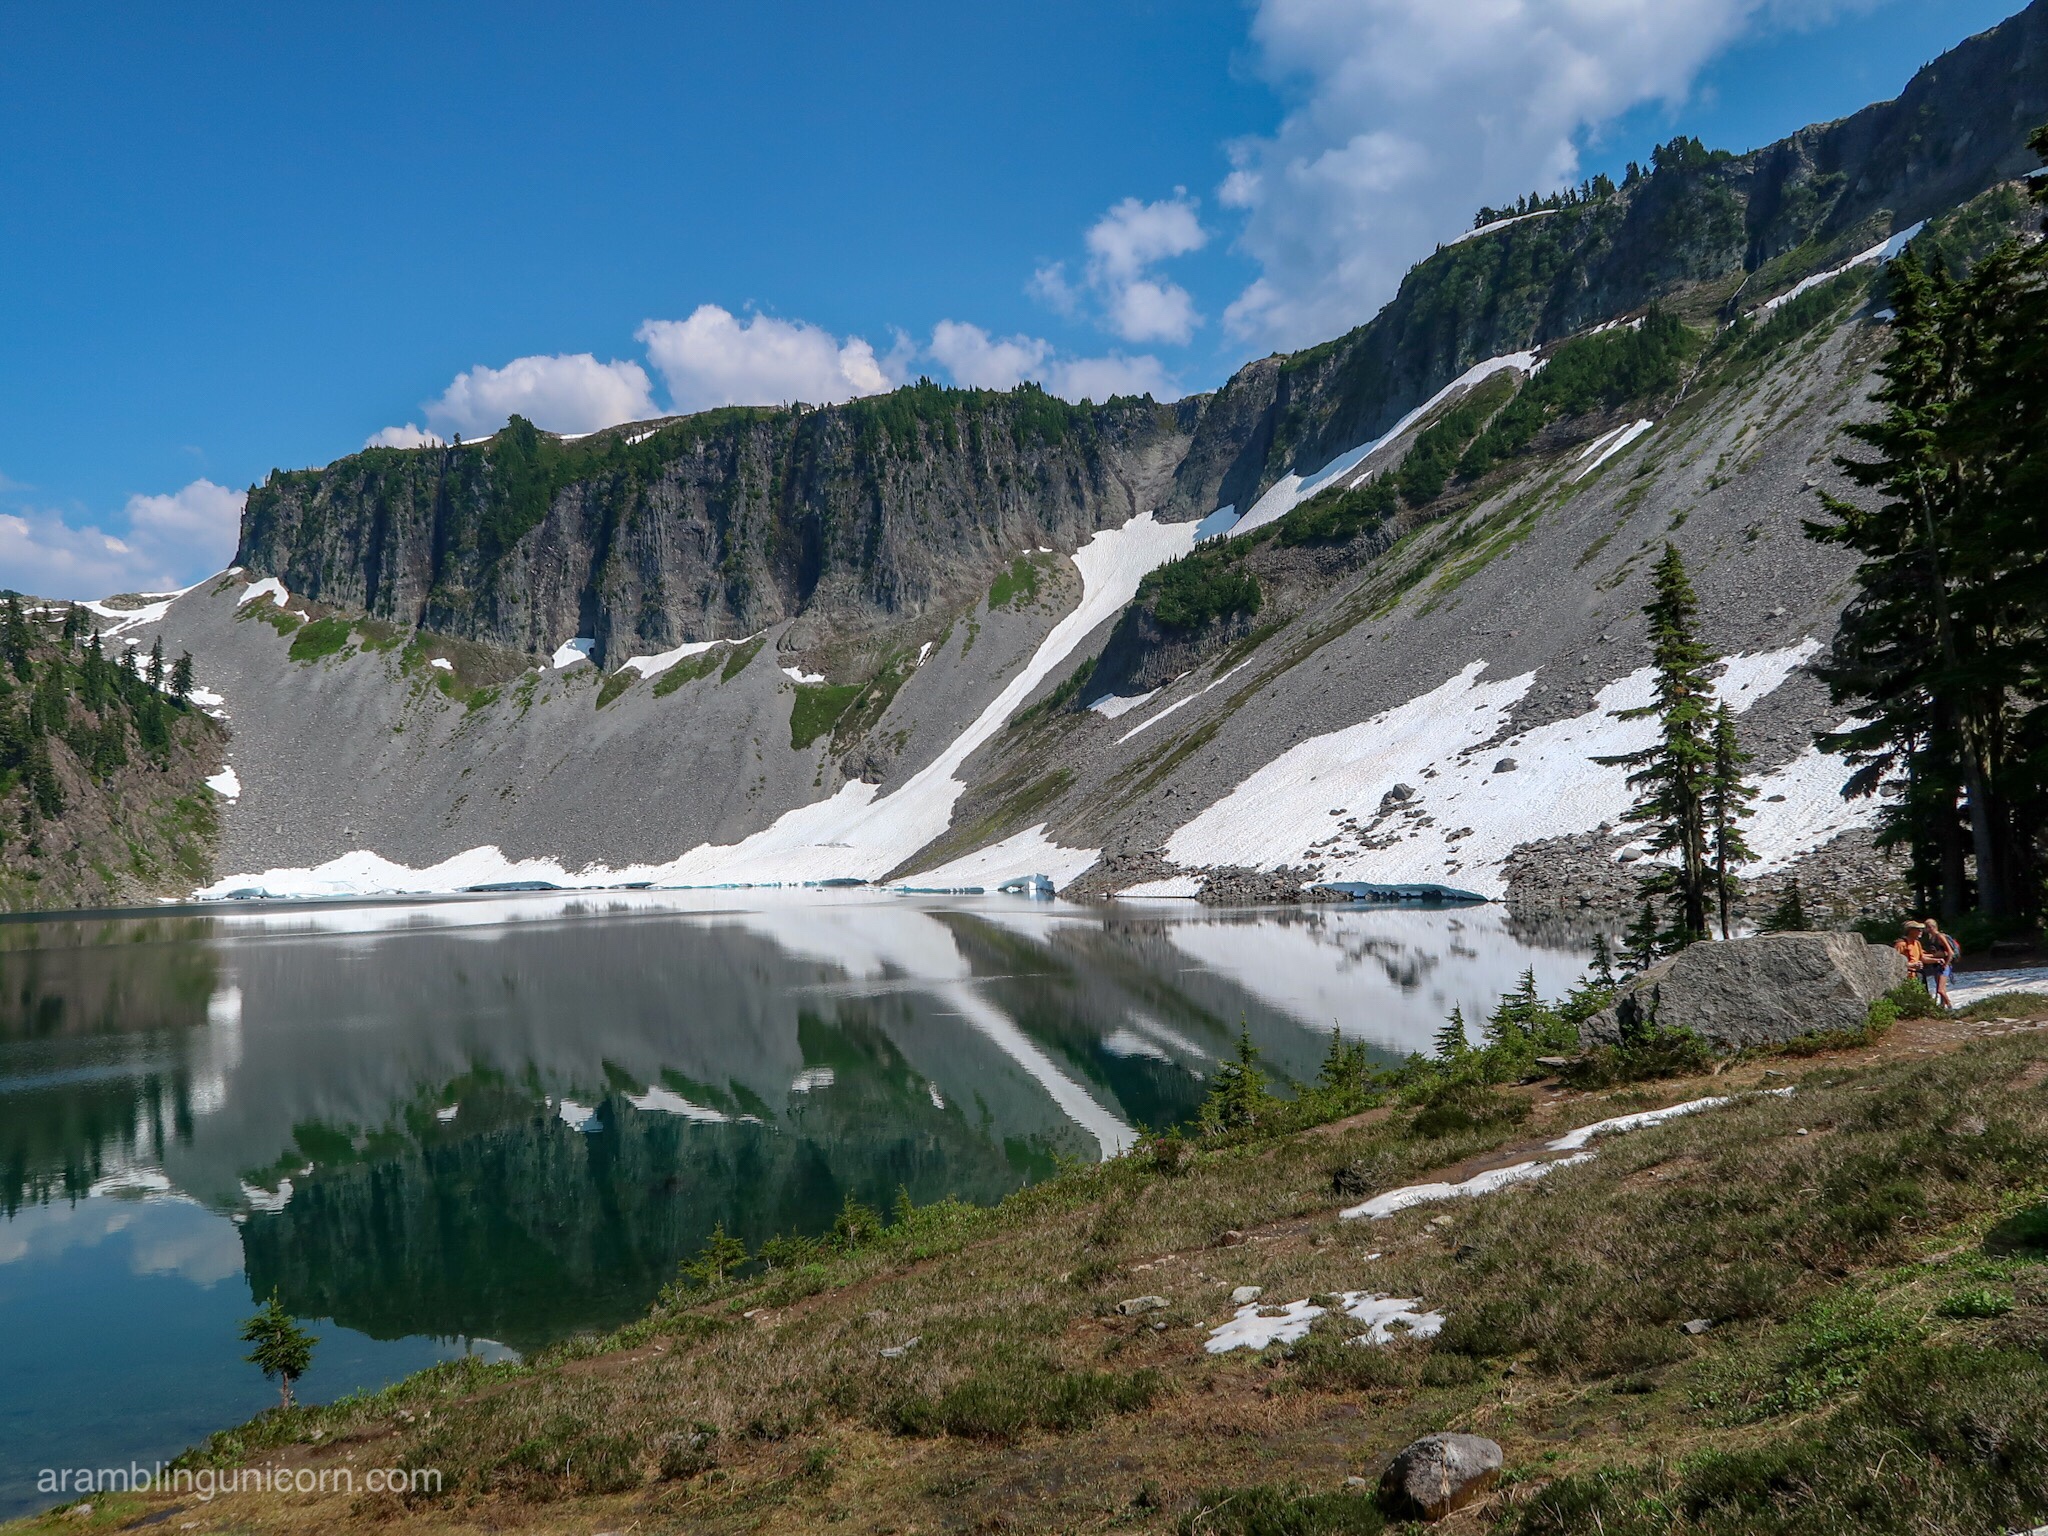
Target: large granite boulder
(1439, 1474)
(1761, 991)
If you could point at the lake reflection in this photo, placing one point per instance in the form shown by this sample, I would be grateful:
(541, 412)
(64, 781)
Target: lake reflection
(509, 1119)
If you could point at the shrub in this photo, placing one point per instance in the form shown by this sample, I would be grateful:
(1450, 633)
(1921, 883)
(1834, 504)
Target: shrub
(1336, 515)
(1020, 1393)
(322, 637)
(1200, 588)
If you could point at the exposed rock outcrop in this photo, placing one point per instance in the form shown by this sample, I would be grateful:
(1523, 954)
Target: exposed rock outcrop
(1761, 991)
(1438, 1475)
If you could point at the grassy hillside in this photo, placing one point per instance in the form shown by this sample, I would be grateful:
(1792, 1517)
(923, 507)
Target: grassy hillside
(1868, 1251)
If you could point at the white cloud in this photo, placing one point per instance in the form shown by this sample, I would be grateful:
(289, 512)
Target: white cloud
(1133, 235)
(977, 360)
(170, 542)
(570, 392)
(407, 436)
(1134, 302)
(1097, 378)
(1414, 112)
(713, 358)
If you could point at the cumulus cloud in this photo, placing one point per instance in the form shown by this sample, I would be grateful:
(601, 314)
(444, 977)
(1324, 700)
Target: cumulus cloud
(715, 358)
(977, 360)
(1413, 112)
(169, 542)
(570, 392)
(407, 436)
(1124, 245)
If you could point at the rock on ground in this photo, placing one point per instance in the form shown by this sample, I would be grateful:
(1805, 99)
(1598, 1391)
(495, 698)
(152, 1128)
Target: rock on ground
(1759, 991)
(1439, 1474)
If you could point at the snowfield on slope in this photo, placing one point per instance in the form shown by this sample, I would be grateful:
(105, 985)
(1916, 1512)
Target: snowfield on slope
(854, 834)
(1465, 818)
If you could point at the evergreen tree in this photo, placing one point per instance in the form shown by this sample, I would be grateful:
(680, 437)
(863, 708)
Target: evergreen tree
(15, 636)
(1450, 1043)
(1789, 915)
(93, 679)
(1345, 1067)
(718, 1258)
(1238, 1097)
(1672, 777)
(74, 624)
(156, 664)
(181, 678)
(283, 1349)
(1643, 945)
(1728, 803)
(1601, 970)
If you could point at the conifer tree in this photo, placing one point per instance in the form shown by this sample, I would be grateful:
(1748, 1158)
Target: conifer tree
(1728, 803)
(14, 636)
(1643, 945)
(283, 1349)
(1450, 1043)
(1789, 915)
(1601, 969)
(1238, 1096)
(1672, 776)
(181, 678)
(156, 664)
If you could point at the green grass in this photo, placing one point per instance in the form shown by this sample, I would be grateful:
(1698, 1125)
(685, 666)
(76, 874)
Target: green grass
(817, 709)
(736, 662)
(689, 670)
(322, 637)
(1016, 586)
(616, 683)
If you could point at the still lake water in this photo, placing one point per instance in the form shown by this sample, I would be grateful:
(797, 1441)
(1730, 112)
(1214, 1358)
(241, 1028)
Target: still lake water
(484, 1124)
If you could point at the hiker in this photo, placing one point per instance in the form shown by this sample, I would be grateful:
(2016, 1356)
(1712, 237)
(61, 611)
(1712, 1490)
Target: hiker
(1939, 953)
(1908, 944)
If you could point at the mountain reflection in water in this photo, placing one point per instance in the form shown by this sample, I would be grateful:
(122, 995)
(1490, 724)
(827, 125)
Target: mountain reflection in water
(512, 1118)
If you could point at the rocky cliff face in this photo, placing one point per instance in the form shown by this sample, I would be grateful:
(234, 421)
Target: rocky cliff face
(714, 526)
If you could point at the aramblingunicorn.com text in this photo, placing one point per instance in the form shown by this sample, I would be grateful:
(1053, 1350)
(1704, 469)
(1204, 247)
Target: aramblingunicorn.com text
(208, 1483)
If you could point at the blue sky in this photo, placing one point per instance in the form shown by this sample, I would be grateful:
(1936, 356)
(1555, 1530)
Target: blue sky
(238, 237)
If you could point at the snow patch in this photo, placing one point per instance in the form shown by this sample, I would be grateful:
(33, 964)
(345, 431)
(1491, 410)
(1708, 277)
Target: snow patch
(569, 652)
(1572, 1141)
(1499, 224)
(225, 784)
(1290, 491)
(269, 1201)
(799, 675)
(1217, 523)
(1182, 703)
(1113, 706)
(1396, 1200)
(1029, 852)
(654, 666)
(447, 1116)
(811, 1079)
(1173, 887)
(1281, 813)
(1256, 1327)
(1608, 446)
(442, 664)
(269, 587)
(1878, 254)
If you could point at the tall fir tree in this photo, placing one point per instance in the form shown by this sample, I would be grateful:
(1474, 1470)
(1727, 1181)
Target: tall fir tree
(1450, 1043)
(1729, 795)
(1672, 776)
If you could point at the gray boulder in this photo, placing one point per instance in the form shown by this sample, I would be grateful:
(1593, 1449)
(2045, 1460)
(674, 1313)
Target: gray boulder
(1761, 991)
(1439, 1474)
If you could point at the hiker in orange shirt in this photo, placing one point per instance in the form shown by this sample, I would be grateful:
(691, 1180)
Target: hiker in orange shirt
(1908, 944)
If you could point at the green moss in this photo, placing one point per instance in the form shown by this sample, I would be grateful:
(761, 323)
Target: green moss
(269, 613)
(322, 637)
(817, 709)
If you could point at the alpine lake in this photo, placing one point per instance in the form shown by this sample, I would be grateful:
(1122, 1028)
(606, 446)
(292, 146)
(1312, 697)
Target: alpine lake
(482, 1124)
